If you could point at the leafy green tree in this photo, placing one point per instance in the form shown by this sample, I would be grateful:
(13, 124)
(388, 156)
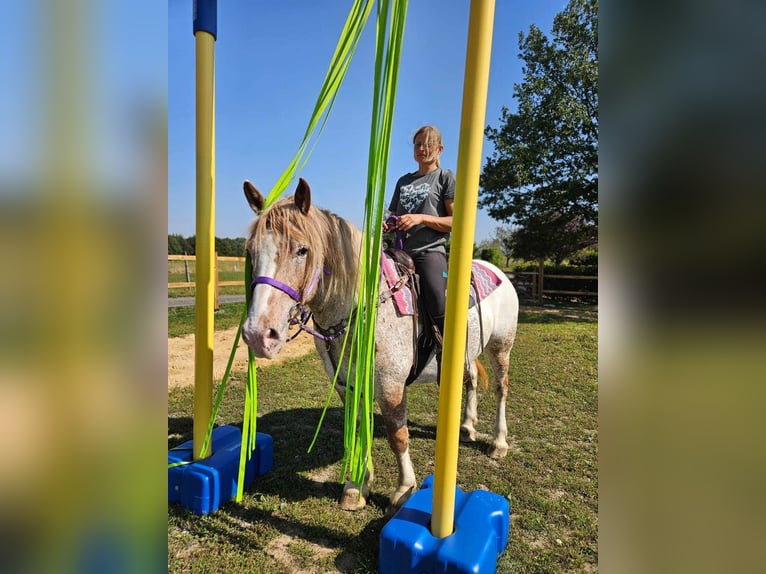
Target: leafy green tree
(175, 245)
(553, 238)
(190, 245)
(504, 239)
(224, 246)
(492, 254)
(543, 174)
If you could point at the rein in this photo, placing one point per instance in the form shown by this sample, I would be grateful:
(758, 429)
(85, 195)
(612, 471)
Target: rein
(399, 241)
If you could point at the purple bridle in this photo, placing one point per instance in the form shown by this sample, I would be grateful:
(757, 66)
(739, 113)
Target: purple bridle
(302, 314)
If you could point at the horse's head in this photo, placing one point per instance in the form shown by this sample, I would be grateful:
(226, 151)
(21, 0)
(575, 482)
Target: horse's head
(286, 258)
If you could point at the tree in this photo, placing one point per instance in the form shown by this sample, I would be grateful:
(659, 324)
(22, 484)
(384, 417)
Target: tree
(552, 237)
(543, 173)
(175, 244)
(504, 238)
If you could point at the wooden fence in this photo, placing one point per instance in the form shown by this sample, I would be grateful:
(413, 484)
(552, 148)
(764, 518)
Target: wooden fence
(188, 273)
(529, 284)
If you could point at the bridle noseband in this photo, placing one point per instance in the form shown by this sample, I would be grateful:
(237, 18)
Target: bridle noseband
(284, 287)
(300, 314)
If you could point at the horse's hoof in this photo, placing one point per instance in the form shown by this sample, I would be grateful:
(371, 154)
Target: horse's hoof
(467, 435)
(351, 500)
(498, 452)
(401, 496)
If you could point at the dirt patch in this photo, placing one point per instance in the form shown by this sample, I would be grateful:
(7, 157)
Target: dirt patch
(297, 554)
(181, 356)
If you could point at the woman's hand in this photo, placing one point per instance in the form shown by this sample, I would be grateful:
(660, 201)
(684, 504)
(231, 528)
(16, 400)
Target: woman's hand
(390, 223)
(409, 220)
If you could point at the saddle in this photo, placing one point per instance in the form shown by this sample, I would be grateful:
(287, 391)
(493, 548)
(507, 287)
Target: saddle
(398, 272)
(406, 293)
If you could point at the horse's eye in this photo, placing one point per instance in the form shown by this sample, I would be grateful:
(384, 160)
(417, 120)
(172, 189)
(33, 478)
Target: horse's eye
(302, 251)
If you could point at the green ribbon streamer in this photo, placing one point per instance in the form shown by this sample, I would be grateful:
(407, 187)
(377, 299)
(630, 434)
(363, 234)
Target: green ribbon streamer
(357, 438)
(359, 407)
(344, 52)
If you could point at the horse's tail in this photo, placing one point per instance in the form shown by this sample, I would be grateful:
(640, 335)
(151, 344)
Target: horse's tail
(482, 374)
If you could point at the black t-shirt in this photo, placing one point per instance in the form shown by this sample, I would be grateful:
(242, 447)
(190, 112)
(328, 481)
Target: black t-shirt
(424, 194)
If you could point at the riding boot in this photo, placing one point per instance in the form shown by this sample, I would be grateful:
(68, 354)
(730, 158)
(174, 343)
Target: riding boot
(438, 329)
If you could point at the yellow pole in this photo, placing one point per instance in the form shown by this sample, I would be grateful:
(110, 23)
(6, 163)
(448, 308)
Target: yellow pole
(205, 242)
(461, 252)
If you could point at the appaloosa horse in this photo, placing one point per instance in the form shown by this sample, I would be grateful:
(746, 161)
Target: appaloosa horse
(302, 257)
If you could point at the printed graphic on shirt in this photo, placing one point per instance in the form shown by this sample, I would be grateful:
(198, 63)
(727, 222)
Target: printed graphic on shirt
(411, 196)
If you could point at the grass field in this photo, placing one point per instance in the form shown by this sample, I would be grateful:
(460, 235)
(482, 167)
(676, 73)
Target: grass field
(289, 520)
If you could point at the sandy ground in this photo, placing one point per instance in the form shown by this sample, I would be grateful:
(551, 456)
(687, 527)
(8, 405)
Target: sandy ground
(181, 356)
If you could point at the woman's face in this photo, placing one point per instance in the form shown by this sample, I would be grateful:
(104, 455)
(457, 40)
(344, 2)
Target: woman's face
(426, 150)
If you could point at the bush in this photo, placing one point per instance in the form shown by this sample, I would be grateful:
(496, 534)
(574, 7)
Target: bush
(586, 257)
(493, 255)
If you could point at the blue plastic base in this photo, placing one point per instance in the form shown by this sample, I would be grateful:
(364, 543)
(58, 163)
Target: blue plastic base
(204, 485)
(481, 533)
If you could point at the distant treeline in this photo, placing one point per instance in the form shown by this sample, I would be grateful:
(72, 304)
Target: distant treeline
(224, 246)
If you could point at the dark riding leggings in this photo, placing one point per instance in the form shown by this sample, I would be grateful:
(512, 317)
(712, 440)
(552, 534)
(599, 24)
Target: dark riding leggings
(432, 267)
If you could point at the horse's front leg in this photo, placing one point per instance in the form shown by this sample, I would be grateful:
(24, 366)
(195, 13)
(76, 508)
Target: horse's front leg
(352, 499)
(393, 406)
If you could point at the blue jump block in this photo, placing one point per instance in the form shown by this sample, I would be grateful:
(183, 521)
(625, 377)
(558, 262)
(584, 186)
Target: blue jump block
(204, 485)
(481, 532)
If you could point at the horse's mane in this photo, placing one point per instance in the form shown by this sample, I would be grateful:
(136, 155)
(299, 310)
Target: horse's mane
(333, 244)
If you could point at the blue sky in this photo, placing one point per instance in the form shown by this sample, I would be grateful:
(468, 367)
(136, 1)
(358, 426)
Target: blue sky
(271, 58)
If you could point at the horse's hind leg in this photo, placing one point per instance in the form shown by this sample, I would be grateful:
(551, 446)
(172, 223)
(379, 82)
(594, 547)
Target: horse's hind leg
(470, 417)
(499, 359)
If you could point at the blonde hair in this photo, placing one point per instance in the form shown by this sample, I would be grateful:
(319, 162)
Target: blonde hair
(433, 136)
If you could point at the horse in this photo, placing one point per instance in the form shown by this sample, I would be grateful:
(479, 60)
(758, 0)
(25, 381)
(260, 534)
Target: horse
(303, 256)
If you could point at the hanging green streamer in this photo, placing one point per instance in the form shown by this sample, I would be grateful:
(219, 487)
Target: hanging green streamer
(344, 52)
(250, 416)
(357, 460)
(341, 59)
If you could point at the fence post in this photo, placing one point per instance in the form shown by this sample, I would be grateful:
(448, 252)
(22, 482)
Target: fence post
(215, 276)
(186, 269)
(540, 272)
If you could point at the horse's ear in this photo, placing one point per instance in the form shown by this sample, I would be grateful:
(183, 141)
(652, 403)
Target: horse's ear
(303, 196)
(254, 197)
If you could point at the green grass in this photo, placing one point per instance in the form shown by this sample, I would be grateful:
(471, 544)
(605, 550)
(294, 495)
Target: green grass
(181, 319)
(289, 519)
(189, 291)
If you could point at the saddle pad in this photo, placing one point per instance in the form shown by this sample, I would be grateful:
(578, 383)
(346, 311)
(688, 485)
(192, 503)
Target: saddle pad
(485, 279)
(402, 297)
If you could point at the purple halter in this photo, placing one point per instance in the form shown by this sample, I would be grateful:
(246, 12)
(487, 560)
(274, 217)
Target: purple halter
(301, 314)
(284, 287)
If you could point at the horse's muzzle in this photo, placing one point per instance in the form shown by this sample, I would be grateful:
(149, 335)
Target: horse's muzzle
(265, 342)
